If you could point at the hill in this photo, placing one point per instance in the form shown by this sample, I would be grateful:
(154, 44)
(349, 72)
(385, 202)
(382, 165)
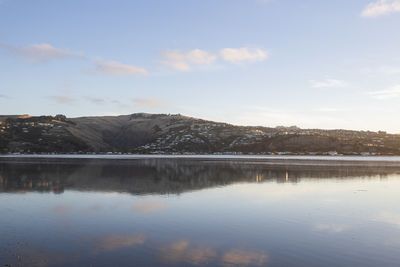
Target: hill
(166, 133)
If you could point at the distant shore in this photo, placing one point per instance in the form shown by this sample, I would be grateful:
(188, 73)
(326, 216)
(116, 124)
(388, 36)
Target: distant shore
(268, 159)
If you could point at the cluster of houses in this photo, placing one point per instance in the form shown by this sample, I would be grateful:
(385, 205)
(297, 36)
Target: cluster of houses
(213, 133)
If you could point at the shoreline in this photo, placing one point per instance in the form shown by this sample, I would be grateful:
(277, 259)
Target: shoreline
(208, 157)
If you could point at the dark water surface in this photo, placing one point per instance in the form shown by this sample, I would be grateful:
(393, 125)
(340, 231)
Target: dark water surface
(196, 212)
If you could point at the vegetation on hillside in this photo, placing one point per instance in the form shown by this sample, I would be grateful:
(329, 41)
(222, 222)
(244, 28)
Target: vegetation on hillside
(166, 133)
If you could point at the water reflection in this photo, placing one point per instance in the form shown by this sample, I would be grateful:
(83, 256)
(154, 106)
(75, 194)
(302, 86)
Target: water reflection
(163, 176)
(183, 251)
(198, 213)
(149, 206)
(240, 257)
(115, 242)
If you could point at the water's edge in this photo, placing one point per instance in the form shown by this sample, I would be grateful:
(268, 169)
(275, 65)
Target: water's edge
(248, 159)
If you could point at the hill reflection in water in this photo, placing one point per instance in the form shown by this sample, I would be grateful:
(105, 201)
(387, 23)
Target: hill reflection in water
(166, 176)
(192, 212)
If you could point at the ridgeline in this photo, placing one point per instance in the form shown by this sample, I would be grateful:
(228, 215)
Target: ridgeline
(143, 133)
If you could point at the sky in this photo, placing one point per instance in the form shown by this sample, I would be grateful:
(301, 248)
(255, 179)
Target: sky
(310, 63)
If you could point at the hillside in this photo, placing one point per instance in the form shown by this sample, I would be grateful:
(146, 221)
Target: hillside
(165, 133)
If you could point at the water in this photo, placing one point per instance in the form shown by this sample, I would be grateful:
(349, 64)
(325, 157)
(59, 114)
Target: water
(198, 212)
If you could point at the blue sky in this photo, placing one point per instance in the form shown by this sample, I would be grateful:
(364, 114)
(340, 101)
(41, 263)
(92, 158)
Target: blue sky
(310, 63)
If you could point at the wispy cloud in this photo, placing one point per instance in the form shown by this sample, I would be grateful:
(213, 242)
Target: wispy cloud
(185, 60)
(62, 99)
(95, 100)
(328, 83)
(243, 55)
(381, 8)
(42, 52)
(4, 96)
(389, 93)
(149, 102)
(115, 68)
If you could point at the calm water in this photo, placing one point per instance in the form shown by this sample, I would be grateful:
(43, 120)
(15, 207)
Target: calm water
(184, 212)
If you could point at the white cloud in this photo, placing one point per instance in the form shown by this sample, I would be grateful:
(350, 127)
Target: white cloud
(149, 102)
(115, 68)
(381, 8)
(62, 99)
(42, 52)
(328, 83)
(244, 54)
(185, 60)
(389, 93)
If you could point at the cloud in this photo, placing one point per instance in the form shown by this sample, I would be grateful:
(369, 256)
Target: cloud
(115, 68)
(63, 99)
(243, 55)
(42, 52)
(115, 242)
(328, 83)
(149, 102)
(381, 8)
(3, 96)
(185, 60)
(149, 206)
(95, 100)
(242, 258)
(389, 93)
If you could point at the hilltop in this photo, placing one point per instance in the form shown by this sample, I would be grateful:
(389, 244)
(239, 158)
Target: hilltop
(165, 133)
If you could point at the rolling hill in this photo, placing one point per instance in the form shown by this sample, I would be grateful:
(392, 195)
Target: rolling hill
(165, 133)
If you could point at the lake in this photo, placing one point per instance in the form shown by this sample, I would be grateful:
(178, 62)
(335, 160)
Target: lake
(199, 211)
